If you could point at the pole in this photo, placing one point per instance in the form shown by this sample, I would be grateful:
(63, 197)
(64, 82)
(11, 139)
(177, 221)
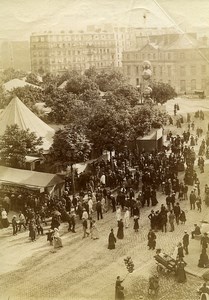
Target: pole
(72, 178)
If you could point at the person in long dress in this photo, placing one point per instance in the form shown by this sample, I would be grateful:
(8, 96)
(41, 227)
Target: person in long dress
(136, 223)
(32, 229)
(4, 219)
(118, 213)
(127, 217)
(119, 294)
(120, 233)
(180, 272)
(94, 231)
(111, 240)
(57, 239)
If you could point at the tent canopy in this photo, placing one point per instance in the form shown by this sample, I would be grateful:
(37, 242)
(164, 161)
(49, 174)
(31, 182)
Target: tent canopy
(28, 178)
(155, 134)
(15, 83)
(17, 113)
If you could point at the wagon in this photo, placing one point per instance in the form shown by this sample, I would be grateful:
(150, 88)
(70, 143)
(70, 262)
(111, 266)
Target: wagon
(165, 263)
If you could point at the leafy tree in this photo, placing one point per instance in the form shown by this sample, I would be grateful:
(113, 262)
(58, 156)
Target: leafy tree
(60, 103)
(11, 73)
(162, 92)
(15, 144)
(29, 95)
(108, 129)
(90, 95)
(66, 76)
(79, 84)
(143, 118)
(127, 93)
(109, 80)
(33, 79)
(79, 113)
(49, 80)
(91, 73)
(70, 145)
(5, 98)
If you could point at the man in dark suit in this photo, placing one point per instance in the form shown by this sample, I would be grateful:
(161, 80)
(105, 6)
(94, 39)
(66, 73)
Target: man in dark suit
(186, 242)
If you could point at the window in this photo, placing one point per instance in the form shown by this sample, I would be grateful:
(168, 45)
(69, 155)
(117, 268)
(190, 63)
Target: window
(182, 56)
(169, 71)
(161, 70)
(203, 69)
(169, 56)
(182, 71)
(203, 84)
(193, 70)
(182, 85)
(193, 84)
(137, 70)
(137, 81)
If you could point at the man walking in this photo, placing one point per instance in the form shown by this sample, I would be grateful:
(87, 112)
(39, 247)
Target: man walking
(177, 211)
(186, 242)
(192, 199)
(99, 210)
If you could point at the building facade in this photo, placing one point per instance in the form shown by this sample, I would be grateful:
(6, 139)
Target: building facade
(57, 53)
(183, 64)
(101, 47)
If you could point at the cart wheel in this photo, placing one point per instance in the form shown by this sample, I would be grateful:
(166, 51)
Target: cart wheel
(159, 269)
(167, 272)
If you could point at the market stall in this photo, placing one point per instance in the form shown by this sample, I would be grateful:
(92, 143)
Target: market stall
(18, 182)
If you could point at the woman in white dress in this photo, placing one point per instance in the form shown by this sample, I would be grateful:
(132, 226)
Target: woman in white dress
(57, 239)
(118, 213)
(127, 217)
(94, 231)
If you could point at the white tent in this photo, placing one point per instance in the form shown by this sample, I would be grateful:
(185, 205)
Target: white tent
(17, 113)
(15, 83)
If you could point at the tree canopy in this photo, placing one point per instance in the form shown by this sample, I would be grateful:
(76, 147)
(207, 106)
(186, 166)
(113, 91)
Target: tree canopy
(70, 145)
(15, 144)
(162, 92)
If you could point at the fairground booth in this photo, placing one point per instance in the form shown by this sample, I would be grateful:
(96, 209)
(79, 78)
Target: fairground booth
(152, 141)
(18, 186)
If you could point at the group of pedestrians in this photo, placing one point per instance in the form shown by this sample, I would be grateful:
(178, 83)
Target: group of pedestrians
(155, 172)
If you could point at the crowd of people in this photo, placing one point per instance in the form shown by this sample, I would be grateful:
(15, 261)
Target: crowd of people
(123, 186)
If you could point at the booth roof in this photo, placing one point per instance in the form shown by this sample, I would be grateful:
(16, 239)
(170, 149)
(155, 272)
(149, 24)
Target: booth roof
(29, 178)
(154, 134)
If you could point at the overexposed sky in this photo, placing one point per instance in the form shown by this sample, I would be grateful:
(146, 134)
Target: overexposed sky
(19, 18)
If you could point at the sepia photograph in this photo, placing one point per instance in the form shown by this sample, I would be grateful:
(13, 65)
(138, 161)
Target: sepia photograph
(104, 149)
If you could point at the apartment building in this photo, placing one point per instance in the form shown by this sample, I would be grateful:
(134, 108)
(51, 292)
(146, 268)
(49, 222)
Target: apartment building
(56, 53)
(184, 63)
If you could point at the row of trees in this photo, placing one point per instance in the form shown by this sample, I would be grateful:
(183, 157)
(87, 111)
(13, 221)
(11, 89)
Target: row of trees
(100, 110)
